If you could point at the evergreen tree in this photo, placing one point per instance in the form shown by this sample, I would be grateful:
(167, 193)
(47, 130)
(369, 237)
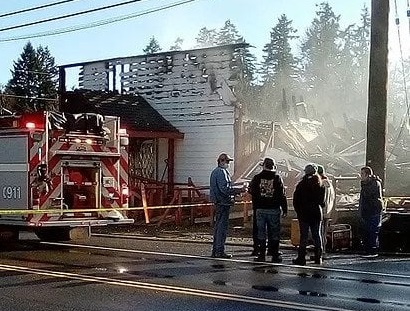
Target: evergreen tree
(206, 37)
(177, 45)
(244, 90)
(152, 47)
(47, 81)
(361, 51)
(4, 101)
(362, 47)
(321, 59)
(278, 60)
(279, 68)
(399, 80)
(34, 77)
(353, 70)
(248, 63)
(228, 34)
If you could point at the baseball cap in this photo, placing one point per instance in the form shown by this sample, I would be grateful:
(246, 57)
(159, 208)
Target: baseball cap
(224, 157)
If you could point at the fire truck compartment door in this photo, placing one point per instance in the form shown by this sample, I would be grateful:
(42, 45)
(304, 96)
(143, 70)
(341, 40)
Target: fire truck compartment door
(14, 172)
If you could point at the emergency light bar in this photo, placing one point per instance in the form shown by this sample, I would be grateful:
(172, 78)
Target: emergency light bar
(77, 140)
(30, 125)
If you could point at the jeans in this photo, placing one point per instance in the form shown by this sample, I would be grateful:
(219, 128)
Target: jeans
(315, 228)
(371, 226)
(268, 220)
(220, 228)
(255, 232)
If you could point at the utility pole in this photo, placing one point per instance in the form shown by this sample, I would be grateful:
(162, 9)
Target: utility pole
(377, 96)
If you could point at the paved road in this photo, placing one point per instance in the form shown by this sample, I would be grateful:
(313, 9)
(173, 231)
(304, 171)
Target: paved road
(133, 274)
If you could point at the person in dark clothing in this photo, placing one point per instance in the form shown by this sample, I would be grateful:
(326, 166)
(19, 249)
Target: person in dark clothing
(370, 210)
(308, 200)
(269, 202)
(255, 239)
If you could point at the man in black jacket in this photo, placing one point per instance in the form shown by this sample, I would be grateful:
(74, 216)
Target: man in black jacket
(370, 209)
(308, 199)
(269, 201)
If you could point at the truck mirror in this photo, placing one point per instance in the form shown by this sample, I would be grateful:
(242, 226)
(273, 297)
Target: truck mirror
(37, 137)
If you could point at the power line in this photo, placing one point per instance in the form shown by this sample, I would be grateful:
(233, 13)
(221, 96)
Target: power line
(37, 72)
(68, 15)
(36, 8)
(28, 97)
(95, 24)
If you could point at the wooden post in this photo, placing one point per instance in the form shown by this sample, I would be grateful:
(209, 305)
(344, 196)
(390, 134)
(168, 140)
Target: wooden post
(144, 203)
(245, 212)
(171, 165)
(178, 212)
(246, 199)
(377, 97)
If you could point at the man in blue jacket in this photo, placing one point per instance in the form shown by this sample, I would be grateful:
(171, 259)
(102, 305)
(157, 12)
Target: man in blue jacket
(222, 195)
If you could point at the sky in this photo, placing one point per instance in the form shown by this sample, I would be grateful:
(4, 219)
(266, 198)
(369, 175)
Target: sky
(253, 18)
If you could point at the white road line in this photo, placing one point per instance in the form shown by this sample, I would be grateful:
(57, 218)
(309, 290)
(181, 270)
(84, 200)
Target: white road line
(173, 289)
(401, 276)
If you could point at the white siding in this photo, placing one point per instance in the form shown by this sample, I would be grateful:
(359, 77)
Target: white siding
(193, 91)
(196, 155)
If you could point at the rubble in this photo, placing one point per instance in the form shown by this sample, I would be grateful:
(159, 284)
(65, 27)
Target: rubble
(340, 150)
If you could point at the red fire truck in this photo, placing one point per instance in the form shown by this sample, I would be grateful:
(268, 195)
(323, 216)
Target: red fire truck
(61, 174)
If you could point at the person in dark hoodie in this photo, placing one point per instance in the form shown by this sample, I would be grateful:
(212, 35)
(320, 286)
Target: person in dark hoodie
(308, 200)
(269, 202)
(370, 210)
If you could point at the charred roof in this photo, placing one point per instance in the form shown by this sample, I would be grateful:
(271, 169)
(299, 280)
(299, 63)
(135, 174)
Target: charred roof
(140, 118)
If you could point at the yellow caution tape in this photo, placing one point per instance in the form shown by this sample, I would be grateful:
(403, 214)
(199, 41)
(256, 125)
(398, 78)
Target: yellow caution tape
(90, 210)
